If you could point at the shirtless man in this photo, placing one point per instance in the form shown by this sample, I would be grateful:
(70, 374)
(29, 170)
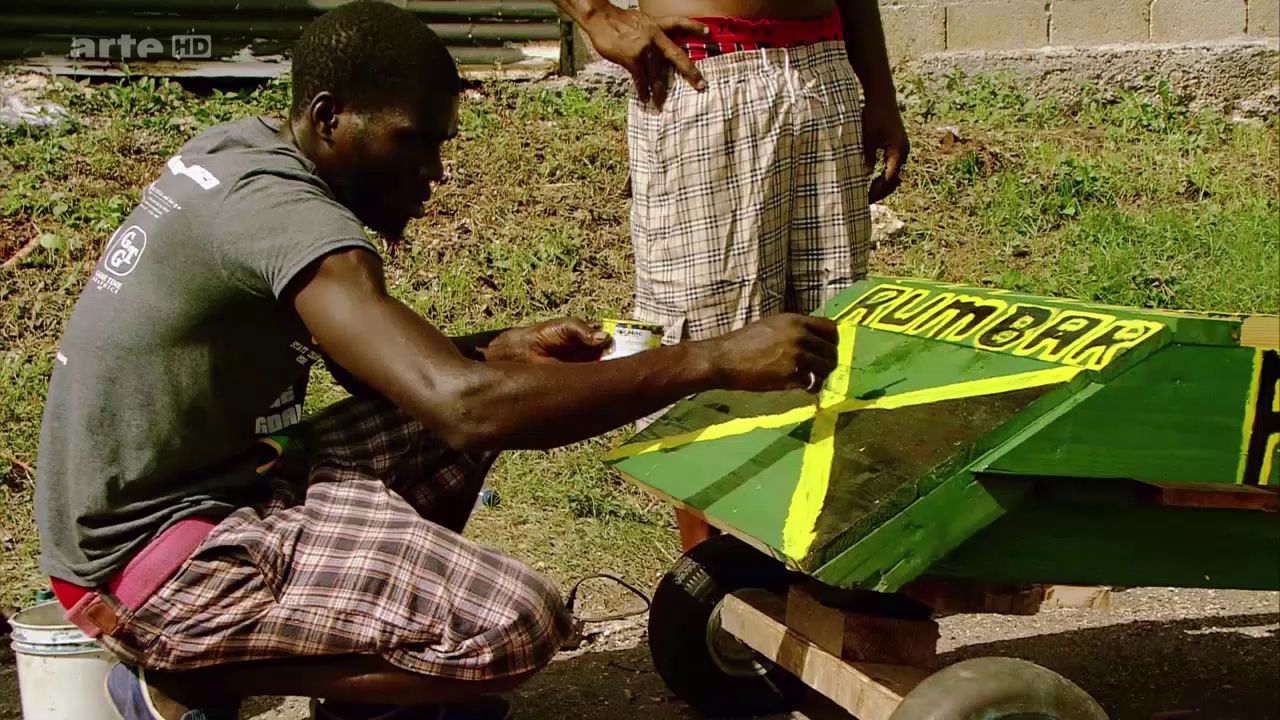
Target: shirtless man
(224, 547)
(750, 178)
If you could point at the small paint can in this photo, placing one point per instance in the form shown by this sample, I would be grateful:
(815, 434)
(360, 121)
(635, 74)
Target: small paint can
(630, 337)
(487, 499)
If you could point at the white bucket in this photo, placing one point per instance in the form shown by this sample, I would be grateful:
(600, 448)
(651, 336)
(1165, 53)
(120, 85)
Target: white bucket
(61, 671)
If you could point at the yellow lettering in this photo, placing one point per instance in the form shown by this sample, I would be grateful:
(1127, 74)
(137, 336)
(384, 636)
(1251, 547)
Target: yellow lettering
(872, 304)
(1066, 331)
(958, 319)
(916, 305)
(1098, 351)
(1013, 327)
(1261, 420)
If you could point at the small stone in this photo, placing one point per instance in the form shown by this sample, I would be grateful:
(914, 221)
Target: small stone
(948, 135)
(885, 225)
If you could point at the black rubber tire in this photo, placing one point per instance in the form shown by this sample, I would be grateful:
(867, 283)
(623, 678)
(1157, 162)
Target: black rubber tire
(997, 689)
(678, 618)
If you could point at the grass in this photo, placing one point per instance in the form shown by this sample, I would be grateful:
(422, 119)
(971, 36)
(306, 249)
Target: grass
(1123, 198)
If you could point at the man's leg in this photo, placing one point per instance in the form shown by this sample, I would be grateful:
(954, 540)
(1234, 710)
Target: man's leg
(831, 223)
(711, 180)
(711, 183)
(349, 679)
(339, 588)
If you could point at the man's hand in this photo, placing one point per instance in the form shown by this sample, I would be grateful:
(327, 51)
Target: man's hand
(563, 340)
(777, 353)
(640, 44)
(882, 131)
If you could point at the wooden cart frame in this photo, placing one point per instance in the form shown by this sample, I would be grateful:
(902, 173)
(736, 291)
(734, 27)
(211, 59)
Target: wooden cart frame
(977, 450)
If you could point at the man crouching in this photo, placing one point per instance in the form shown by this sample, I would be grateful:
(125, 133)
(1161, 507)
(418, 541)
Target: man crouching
(223, 546)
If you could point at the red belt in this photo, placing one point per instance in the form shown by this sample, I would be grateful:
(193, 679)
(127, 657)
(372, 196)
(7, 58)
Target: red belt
(137, 582)
(730, 34)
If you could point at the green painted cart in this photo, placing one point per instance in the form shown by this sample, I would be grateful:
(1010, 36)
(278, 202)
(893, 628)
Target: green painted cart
(974, 448)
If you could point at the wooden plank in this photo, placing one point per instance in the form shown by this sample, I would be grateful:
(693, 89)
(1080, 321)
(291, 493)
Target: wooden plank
(857, 637)
(1076, 596)
(868, 691)
(822, 625)
(890, 641)
(1226, 497)
(528, 61)
(1260, 331)
(952, 596)
(694, 530)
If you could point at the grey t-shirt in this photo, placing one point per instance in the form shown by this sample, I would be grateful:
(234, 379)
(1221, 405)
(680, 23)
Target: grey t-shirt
(179, 352)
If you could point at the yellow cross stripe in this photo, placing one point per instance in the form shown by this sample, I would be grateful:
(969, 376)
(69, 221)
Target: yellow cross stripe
(800, 529)
(1250, 414)
(957, 391)
(1272, 445)
(739, 426)
(836, 387)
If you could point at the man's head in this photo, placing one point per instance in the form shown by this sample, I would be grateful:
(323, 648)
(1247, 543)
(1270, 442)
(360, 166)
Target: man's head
(375, 94)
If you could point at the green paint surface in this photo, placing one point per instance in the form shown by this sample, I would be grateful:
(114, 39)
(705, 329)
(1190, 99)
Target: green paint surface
(910, 488)
(1123, 545)
(931, 527)
(1177, 417)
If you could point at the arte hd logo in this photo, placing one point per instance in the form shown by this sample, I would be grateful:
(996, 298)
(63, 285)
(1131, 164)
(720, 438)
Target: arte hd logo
(127, 47)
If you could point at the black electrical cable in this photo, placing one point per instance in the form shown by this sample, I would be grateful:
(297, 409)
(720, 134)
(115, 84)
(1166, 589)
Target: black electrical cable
(573, 597)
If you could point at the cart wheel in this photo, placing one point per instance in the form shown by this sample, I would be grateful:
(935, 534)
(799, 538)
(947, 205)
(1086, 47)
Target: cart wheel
(997, 689)
(702, 664)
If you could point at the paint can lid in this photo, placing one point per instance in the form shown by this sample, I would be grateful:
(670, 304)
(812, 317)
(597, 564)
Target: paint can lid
(651, 327)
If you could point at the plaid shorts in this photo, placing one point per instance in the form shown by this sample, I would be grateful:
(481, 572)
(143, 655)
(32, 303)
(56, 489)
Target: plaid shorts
(353, 549)
(750, 198)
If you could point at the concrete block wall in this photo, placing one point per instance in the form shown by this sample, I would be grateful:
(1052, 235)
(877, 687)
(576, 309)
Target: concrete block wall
(914, 27)
(919, 27)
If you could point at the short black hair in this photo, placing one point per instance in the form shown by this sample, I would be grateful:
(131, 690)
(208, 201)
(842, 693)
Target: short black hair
(370, 54)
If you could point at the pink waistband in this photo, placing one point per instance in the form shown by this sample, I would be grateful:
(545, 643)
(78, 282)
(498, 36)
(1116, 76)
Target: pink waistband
(145, 573)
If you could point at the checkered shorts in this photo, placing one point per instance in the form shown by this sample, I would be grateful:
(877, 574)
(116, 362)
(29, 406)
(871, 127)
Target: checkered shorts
(353, 549)
(750, 198)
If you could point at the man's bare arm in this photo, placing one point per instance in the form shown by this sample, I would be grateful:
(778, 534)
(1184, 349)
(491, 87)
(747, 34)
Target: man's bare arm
(471, 346)
(511, 405)
(882, 124)
(864, 40)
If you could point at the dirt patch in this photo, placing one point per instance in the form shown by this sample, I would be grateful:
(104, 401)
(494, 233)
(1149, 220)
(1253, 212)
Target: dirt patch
(1208, 653)
(15, 232)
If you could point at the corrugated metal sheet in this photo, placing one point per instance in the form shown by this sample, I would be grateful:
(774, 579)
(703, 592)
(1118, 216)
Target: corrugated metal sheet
(515, 33)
